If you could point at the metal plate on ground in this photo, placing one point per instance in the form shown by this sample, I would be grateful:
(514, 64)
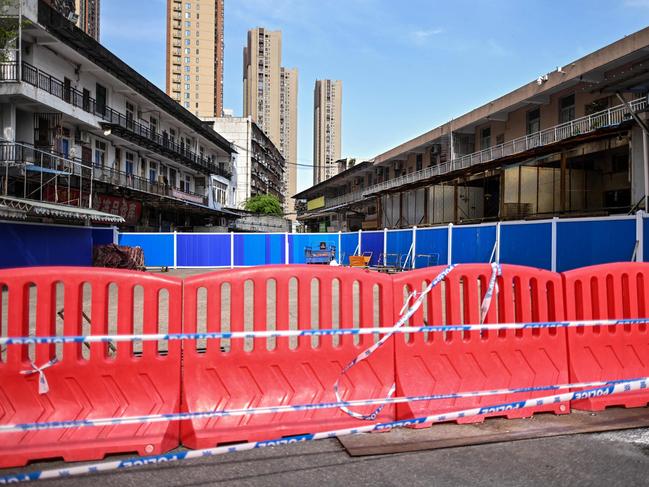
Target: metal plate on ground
(494, 430)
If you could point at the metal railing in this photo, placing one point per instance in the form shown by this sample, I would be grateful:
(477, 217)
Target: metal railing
(84, 101)
(606, 118)
(343, 199)
(22, 154)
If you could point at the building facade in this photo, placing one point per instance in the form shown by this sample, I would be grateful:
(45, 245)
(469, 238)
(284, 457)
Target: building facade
(89, 17)
(288, 134)
(259, 165)
(572, 142)
(327, 125)
(195, 55)
(81, 129)
(270, 98)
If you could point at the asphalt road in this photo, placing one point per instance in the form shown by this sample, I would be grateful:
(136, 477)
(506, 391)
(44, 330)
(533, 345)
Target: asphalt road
(605, 459)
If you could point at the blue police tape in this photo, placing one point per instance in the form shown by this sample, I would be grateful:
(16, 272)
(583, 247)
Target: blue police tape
(158, 418)
(405, 316)
(31, 340)
(620, 387)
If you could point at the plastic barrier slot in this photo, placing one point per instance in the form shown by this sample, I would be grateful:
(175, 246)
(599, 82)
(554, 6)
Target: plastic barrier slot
(268, 372)
(608, 352)
(88, 380)
(445, 362)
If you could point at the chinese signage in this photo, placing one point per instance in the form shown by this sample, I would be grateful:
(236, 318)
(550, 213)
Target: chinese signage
(128, 209)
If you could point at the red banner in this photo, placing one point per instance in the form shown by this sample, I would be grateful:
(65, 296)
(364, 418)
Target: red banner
(128, 209)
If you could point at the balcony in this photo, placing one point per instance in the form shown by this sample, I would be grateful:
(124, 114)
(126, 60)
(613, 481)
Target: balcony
(119, 124)
(591, 123)
(21, 154)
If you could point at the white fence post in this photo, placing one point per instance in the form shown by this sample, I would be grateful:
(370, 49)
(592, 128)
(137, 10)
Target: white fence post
(115, 236)
(498, 243)
(340, 247)
(231, 250)
(360, 242)
(175, 249)
(639, 236)
(450, 244)
(414, 246)
(287, 258)
(553, 261)
(385, 243)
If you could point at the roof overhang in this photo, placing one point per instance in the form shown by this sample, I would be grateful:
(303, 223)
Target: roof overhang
(22, 209)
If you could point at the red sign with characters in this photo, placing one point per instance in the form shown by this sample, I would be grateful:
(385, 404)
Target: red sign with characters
(128, 209)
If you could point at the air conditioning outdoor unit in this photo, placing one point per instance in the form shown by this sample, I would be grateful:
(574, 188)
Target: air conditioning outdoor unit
(84, 137)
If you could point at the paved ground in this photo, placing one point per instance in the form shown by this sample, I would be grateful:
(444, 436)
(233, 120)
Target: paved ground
(608, 459)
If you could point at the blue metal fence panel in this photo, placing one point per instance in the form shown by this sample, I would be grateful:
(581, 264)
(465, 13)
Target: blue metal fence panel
(298, 242)
(348, 244)
(199, 250)
(399, 242)
(473, 244)
(372, 242)
(527, 244)
(102, 236)
(158, 247)
(432, 242)
(584, 243)
(259, 249)
(23, 245)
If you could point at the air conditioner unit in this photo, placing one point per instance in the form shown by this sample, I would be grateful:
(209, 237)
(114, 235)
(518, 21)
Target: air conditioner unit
(84, 137)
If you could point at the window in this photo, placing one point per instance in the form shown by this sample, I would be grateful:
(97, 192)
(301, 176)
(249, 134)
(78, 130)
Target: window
(86, 100)
(188, 15)
(419, 162)
(188, 33)
(153, 172)
(153, 125)
(129, 163)
(118, 158)
(188, 50)
(187, 60)
(485, 138)
(100, 153)
(187, 86)
(130, 111)
(597, 106)
(533, 121)
(567, 109)
(67, 89)
(188, 42)
(101, 99)
(172, 178)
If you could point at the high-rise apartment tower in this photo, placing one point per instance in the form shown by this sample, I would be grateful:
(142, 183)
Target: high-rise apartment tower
(88, 12)
(195, 55)
(270, 99)
(327, 124)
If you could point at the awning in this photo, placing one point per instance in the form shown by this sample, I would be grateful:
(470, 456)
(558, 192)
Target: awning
(21, 208)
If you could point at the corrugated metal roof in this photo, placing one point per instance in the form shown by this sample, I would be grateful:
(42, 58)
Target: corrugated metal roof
(21, 208)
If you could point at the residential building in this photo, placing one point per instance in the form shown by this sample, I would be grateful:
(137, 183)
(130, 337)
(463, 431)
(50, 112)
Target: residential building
(327, 125)
(570, 143)
(82, 131)
(270, 98)
(288, 133)
(258, 165)
(84, 13)
(195, 55)
(89, 17)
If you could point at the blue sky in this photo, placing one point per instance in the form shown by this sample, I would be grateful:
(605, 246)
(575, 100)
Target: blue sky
(406, 65)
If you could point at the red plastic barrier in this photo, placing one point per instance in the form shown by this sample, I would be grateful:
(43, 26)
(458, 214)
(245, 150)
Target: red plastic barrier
(229, 375)
(451, 362)
(87, 382)
(609, 291)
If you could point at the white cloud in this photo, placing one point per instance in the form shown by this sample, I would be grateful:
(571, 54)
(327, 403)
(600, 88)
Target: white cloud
(421, 37)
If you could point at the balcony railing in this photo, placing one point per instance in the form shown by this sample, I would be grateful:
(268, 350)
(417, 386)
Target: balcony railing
(580, 126)
(84, 101)
(24, 154)
(348, 198)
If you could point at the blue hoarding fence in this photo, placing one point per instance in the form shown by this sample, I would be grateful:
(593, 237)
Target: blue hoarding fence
(553, 244)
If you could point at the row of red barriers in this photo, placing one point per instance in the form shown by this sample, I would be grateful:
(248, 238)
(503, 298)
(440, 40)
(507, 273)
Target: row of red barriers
(129, 379)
